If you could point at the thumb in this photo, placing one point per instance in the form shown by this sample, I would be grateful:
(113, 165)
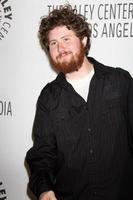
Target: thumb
(52, 195)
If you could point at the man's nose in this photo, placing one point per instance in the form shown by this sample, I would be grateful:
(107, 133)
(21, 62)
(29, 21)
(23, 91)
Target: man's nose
(61, 47)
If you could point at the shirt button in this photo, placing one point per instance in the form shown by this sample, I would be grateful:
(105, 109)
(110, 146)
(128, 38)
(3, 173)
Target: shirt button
(86, 108)
(62, 117)
(91, 151)
(94, 193)
(89, 130)
(110, 106)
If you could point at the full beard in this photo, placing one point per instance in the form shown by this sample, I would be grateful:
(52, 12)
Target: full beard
(73, 65)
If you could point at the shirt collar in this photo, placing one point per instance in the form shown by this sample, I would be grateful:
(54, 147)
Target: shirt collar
(99, 71)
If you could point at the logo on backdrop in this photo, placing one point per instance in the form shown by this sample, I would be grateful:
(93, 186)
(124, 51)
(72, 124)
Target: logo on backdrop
(5, 18)
(114, 20)
(5, 108)
(3, 195)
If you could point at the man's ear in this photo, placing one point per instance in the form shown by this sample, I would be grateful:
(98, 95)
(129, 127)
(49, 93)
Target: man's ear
(84, 41)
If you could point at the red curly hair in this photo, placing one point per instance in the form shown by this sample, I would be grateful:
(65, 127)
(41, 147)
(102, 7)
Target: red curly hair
(65, 16)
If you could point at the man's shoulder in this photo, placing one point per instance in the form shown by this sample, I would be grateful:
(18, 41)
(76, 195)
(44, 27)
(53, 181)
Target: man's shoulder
(119, 76)
(120, 73)
(51, 87)
(50, 93)
(111, 72)
(116, 71)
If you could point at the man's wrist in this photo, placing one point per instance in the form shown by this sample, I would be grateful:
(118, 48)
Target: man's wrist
(42, 195)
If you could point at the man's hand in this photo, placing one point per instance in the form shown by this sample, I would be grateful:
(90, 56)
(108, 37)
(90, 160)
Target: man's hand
(47, 196)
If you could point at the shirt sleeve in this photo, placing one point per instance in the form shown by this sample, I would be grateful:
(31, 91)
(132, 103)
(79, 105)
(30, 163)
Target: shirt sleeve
(130, 112)
(41, 157)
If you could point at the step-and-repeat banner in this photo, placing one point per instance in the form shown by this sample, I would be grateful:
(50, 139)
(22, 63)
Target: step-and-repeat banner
(24, 70)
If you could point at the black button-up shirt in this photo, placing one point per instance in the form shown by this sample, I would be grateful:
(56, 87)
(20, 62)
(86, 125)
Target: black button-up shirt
(84, 150)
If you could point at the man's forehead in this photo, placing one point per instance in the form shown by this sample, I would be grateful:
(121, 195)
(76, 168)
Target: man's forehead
(60, 31)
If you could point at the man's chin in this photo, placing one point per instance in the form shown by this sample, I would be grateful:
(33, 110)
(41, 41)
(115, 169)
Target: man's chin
(65, 59)
(64, 63)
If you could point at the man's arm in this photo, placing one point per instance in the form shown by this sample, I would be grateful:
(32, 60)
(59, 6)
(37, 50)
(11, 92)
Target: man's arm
(130, 112)
(41, 157)
(47, 196)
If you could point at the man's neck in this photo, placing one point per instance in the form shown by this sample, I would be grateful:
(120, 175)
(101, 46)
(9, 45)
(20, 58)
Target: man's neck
(82, 72)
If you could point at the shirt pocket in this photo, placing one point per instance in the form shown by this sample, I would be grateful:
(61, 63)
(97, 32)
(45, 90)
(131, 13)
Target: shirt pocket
(113, 112)
(64, 130)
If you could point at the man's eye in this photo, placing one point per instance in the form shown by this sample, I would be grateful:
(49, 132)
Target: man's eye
(53, 43)
(66, 39)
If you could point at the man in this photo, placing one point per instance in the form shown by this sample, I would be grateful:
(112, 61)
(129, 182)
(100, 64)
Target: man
(83, 129)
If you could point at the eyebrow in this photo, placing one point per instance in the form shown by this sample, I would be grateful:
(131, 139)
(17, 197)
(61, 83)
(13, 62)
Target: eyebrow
(61, 37)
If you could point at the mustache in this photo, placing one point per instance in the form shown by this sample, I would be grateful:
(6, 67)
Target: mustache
(63, 54)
